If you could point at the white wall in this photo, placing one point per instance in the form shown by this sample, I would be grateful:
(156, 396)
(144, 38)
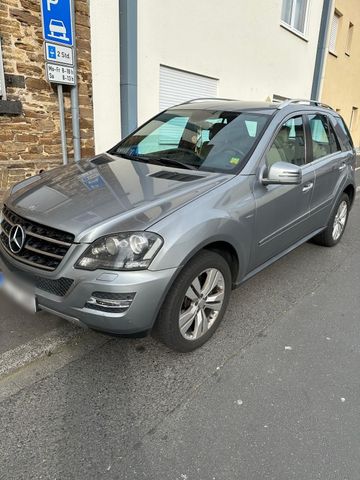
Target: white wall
(104, 22)
(240, 42)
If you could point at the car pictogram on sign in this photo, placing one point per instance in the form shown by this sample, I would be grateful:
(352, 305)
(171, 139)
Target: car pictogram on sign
(57, 29)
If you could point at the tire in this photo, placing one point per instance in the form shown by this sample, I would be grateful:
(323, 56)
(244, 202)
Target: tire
(188, 299)
(327, 238)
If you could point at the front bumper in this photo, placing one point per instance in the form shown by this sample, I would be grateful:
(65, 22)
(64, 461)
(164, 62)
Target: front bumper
(147, 287)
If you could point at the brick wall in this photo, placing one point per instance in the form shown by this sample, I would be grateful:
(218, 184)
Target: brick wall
(31, 141)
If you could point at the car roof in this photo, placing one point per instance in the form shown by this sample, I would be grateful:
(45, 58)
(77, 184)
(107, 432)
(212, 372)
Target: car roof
(224, 104)
(240, 105)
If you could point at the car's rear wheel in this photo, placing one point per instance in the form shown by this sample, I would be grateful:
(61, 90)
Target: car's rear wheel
(196, 303)
(336, 227)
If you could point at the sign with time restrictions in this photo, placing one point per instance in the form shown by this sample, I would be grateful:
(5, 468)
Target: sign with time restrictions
(60, 74)
(59, 54)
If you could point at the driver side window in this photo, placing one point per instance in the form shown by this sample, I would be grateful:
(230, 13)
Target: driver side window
(289, 143)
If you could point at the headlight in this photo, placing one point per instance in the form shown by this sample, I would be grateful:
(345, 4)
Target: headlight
(121, 251)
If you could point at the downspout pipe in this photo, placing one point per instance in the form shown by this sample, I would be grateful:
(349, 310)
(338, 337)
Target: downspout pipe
(128, 65)
(321, 49)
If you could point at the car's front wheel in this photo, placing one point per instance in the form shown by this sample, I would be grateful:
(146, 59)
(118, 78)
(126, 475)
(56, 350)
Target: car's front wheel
(196, 303)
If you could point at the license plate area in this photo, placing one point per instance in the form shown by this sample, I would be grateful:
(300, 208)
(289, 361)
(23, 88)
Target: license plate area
(19, 292)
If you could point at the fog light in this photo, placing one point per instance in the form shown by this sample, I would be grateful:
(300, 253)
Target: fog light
(110, 302)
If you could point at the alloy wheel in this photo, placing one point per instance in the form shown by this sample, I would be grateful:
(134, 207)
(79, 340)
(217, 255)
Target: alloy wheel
(202, 304)
(340, 220)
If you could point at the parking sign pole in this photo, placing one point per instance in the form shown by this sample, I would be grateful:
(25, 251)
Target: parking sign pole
(62, 123)
(75, 115)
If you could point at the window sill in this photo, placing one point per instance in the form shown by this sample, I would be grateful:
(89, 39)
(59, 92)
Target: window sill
(334, 54)
(10, 107)
(295, 32)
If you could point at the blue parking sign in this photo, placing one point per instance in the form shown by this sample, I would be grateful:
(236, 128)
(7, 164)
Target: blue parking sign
(57, 21)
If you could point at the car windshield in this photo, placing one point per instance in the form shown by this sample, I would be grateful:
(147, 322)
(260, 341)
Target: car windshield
(218, 141)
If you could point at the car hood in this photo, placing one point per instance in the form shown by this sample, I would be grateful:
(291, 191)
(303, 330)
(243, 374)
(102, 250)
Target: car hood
(109, 194)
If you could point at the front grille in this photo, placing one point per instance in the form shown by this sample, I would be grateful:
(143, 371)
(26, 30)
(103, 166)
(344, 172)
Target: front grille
(44, 247)
(58, 287)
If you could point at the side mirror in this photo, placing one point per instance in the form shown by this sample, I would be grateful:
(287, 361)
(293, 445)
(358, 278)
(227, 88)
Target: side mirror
(281, 173)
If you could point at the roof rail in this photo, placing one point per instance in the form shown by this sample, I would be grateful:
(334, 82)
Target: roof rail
(291, 101)
(194, 100)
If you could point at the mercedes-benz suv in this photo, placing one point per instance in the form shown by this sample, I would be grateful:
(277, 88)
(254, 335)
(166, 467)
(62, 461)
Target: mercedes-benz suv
(154, 234)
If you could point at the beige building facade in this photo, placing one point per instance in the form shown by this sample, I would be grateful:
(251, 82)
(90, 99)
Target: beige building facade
(341, 86)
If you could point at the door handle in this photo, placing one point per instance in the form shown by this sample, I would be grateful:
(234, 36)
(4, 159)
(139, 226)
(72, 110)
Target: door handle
(307, 187)
(342, 167)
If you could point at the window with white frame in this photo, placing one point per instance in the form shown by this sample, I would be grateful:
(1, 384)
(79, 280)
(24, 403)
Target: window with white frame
(334, 31)
(294, 14)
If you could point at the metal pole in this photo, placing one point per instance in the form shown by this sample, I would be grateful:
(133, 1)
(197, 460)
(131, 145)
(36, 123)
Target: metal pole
(75, 122)
(75, 115)
(62, 123)
(128, 65)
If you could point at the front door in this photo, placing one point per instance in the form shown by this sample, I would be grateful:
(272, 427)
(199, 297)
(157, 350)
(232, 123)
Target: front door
(282, 211)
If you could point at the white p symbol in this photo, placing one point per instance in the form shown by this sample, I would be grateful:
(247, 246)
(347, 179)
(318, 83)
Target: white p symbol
(51, 2)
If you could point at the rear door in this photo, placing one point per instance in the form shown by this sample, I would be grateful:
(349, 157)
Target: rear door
(329, 162)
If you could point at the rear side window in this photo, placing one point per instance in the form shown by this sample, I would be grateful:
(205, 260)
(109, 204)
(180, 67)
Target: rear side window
(334, 141)
(320, 136)
(348, 140)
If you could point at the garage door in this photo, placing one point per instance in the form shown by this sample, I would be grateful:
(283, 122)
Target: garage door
(177, 86)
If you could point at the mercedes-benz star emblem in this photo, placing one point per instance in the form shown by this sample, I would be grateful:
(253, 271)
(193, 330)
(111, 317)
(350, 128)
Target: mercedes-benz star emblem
(16, 238)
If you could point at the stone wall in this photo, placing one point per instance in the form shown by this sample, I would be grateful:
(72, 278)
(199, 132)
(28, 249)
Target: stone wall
(30, 141)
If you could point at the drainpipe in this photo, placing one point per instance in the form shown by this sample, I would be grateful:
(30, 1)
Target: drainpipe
(321, 49)
(128, 65)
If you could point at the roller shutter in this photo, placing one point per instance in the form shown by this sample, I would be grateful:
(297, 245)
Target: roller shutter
(177, 86)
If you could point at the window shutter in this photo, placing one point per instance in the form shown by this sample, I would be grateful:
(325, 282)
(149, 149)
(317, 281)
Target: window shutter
(177, 86)
(333, 33)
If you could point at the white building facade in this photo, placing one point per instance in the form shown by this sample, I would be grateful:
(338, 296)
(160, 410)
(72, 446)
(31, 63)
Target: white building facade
(241, 49)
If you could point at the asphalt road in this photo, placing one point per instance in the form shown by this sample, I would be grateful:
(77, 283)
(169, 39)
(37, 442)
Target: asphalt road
(274, 395)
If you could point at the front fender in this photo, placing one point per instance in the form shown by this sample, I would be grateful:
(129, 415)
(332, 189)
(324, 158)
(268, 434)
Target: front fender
(229, 219)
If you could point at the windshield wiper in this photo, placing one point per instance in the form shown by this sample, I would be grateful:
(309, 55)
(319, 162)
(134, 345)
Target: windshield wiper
(129, 157)
(163, 161)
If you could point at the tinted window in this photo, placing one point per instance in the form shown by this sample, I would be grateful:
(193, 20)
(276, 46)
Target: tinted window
(320, 136)
(349, 142)
(289, 144)
(203, 139)
(334, 141)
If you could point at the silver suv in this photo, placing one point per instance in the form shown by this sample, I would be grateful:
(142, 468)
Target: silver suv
(154, 234)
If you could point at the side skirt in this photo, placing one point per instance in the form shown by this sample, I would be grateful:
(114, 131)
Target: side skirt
(277, 257)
